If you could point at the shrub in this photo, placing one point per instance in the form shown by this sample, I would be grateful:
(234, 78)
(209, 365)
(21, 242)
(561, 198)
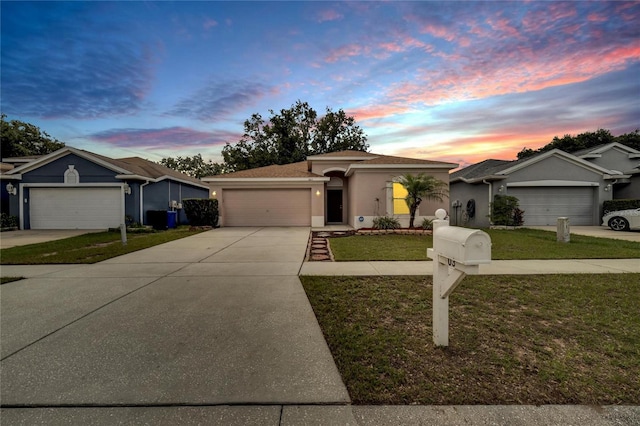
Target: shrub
(505, 211)
(7, 221)
(385, 222)
(201, 211)
(613, 205)
(427, 224)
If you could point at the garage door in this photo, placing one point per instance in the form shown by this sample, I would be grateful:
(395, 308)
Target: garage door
(543, 206)
(75, 208)
(267, 207)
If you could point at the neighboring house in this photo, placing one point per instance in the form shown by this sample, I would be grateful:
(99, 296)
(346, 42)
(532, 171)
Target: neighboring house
(346, 187)
(620, 159)
(548, 185)
(76, 189)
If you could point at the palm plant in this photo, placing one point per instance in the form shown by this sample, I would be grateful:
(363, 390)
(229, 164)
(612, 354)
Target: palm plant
(421, 187)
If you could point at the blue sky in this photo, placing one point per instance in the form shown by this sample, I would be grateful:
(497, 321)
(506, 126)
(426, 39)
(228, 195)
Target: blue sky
(451, 81)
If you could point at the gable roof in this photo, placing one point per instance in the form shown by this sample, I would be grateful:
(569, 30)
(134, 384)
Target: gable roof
(500, 169)
(520, 164)
(126, 168)
(596, 151)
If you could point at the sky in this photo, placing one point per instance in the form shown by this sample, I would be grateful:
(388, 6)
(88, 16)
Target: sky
(451, 81)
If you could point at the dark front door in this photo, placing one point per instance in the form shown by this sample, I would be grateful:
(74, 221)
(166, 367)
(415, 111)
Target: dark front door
(334, 205)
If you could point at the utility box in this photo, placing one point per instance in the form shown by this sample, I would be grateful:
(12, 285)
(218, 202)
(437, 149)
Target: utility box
(462, 245)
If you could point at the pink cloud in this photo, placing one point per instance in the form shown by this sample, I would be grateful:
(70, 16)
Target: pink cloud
(504, 28)
(518, 71)
(209, 23)
(345, 51)
(329, 15)
(439, 31)
(377, 111)
(595, 17)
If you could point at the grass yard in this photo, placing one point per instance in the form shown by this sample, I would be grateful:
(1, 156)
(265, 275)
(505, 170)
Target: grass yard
(506, 245)
(88, 248)
(552, 339)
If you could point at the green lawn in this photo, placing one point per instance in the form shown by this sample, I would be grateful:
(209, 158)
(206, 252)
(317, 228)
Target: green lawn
(506, 244)
(542, 339)
(88, 248)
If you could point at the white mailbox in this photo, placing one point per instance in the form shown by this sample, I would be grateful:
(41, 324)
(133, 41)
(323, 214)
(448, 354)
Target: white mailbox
(463, 245)
(456, 252)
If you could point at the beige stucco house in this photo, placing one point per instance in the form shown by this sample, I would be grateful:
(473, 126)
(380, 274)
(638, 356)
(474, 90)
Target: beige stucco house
(346, 187)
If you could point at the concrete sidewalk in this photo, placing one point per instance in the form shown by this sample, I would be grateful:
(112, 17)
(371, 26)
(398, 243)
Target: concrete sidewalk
(212, 329)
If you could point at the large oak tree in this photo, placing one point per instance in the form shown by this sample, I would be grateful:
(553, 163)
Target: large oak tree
(290, 135)
(20, 139)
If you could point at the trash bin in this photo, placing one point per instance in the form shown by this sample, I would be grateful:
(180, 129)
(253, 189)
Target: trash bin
(172, 219)
(157, 219)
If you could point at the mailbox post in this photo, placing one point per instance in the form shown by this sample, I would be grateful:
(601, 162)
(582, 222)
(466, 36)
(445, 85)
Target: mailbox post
(456, 252)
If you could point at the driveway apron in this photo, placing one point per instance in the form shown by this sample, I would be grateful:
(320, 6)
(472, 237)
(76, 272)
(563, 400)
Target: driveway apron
(217, 318)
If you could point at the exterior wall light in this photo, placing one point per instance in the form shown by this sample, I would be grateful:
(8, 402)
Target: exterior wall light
(126, 188)
(501, 189)
(12, 190)
(606, 188)
(214, 193)
(318, 193)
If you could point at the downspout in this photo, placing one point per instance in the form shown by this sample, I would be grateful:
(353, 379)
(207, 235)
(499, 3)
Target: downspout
(142, 202)
(490, 194)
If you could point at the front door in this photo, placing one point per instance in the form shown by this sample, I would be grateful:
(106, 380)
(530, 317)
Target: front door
(334, 205)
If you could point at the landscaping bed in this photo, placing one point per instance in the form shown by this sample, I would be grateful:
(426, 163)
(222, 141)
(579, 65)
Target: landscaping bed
(542, 339)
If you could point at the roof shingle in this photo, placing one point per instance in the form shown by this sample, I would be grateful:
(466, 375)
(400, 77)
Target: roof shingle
(293, 170)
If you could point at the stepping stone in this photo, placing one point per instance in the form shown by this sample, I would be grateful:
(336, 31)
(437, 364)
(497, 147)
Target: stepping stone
(319, 257)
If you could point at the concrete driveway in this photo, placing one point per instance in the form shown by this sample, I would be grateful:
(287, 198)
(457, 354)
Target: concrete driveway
(10, 239)
(217, 318)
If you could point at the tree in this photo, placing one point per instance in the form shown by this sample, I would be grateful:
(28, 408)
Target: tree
(193, 166)
(505, 211)
(569, 143)
(421, 187)
(337, 132)
(20, 139)
(290, 135)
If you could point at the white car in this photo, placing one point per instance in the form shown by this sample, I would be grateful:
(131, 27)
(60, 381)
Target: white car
(622, 220)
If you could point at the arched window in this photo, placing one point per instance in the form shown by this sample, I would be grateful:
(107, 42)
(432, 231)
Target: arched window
(71, 175)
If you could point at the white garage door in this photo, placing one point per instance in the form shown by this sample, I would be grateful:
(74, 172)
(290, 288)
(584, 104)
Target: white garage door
(543, 206)
(266, 207)
(75, 208)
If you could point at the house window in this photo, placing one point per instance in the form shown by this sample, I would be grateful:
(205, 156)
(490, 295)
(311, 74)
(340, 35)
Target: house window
(399, 204)
(71, 175)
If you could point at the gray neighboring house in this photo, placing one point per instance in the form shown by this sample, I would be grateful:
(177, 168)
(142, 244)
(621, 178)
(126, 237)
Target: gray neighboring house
(548, 185)
(76, 189)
